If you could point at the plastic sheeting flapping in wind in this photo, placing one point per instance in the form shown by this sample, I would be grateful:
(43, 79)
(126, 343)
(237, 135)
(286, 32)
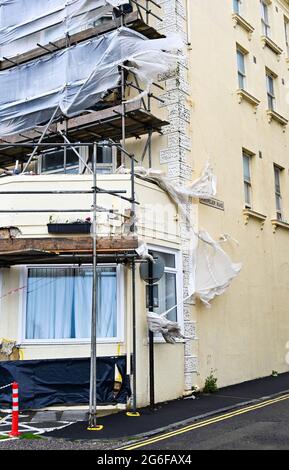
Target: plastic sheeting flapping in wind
(24, 23)
(211, 269)
(74, 79)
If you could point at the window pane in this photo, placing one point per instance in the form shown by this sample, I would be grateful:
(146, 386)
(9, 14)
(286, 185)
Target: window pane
(104, 155)
(246, 166)
(54, 161)
(236, 6)
(168, 295)
(277, 180)
(270, 85)
(241, 81)
(168, 259)
(241, 62)
(278, 203)
(59, 303)
(247, 189)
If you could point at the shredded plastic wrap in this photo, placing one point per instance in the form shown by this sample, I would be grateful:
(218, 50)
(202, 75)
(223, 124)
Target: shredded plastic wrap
(213, 270)
(24, 23)
(204, 187)
(75, 79)
(170, 331)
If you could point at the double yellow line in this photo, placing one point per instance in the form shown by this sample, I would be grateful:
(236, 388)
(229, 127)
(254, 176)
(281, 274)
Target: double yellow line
(202, 424)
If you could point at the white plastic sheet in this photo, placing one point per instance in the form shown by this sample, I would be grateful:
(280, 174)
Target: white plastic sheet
(213, 270)
(24, 23)
(75, 79)
(204, 187)
(171, 331)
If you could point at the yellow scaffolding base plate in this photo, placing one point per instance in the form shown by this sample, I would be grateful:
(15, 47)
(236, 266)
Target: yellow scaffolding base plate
(132, 414)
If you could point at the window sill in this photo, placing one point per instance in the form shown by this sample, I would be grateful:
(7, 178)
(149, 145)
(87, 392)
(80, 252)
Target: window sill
(279, 224)
(273, 116)
(244, 95)
(26, 343)
(240, 21)
(250, 214)
(271, 45)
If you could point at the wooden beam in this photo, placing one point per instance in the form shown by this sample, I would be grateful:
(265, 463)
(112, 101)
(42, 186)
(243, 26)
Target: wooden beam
(66, 245)
(98, 116)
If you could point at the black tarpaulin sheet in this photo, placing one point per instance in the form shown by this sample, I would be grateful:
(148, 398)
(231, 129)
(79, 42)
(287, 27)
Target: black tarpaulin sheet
(62, 381)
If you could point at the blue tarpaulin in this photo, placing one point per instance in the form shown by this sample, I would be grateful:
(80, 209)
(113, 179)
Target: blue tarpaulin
(62, 381)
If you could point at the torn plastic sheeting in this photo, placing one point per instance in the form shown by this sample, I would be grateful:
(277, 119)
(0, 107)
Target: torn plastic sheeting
(170, 331)
(24, 23)
(76, 78)
(213, 270)
(204, 187)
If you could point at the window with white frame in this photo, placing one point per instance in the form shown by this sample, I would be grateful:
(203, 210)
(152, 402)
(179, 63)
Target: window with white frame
(59, 161)
(278, 195)
(58, 303)
(166, 290)
(247, 179)
(270, 79)
(266, 29)
(237, 4)
(68, 162)
(241, 68)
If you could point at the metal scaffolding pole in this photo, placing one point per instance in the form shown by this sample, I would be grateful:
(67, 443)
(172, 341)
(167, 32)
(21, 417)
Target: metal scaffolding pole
(94, 314)
(40, 140)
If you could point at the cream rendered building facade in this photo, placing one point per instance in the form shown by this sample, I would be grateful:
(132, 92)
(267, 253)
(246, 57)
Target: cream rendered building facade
(246, 332)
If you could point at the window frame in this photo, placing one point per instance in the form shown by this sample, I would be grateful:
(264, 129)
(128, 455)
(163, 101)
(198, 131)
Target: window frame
(248, 182)
(178, 271)
(242, 75)
(271, 96)
(23, 279)
(265, 18)
(286, 30)
(84, 153)
(60, 171)
(278, 191)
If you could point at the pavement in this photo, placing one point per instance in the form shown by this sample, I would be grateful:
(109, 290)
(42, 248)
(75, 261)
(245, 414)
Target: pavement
(68, 428)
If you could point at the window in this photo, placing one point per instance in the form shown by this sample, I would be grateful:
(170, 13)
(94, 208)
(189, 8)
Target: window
(247, 179)
(278, 196)
(241, 69)
(56, 161)
(237, 6)
(266, 30)
(270, 78)
(286, 28)
(59, 303)
(105, 159)
(165, 295)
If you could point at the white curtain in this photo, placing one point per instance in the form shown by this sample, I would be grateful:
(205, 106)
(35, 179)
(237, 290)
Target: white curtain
(59, 303)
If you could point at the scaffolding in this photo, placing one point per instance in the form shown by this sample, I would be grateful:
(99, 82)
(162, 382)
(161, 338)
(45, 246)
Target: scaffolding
(111, 126)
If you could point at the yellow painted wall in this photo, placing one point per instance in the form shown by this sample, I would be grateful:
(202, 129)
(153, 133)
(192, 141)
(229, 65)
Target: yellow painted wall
(245, 333)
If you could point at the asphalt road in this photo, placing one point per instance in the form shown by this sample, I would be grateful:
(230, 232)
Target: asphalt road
(261, 426)
(264, 428)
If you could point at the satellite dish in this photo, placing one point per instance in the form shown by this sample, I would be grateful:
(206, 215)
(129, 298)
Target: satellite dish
(152, 272)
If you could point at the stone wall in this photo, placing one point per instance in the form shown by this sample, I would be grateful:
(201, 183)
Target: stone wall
(177, 156)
